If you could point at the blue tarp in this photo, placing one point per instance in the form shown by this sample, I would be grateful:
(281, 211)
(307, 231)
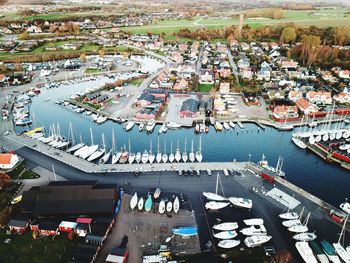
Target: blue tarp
(186, 231)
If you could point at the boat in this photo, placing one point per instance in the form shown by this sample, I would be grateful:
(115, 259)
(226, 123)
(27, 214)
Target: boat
(241, 202)
(105, 158)
(213, 205)
(186, 231)
(344, 147)
(321, 256)
(89, 150)
(171, 155)
(133, 201)
(161, 208)
(330, 251)
(132, 155)
(164, 155)
(138, 157)
(124, 156)
(254, 230)
(226, 126)
(145, 157)
(157, 193)
(289, 216)
(232, 124)
(300, 228)
(169, 206)
(218, 126)
(101, 119)
(225, 234)
(240, 125)
(141, 126)
(199, 156)
(177, 153)
(345, 207)
(291, 223)
(341, 251)
(184, 154)
(151, 156)
(214, 197)
(163, 129)
(191, 155)
(305, 252)
(229, 243)
(176, 205)
(227, 226)
(97, 154)
(23, 122)
(148, 204)
(255, 241)
(254, 221)
(173, 125)
(115, 155)
(159, 154)
(299, 143)
(129, 125)
(209, 172)
(150, 126)
(140, 204)
(75, 147)
(276, 171)
(305, 236)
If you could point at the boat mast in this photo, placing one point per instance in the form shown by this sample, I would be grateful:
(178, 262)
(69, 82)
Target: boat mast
(217, 183)
(129, 146)
(113, 142)
(92, 139)
(343, 229)
(103, 142)
(150, 146)
(200, 144)
(164, 147)
(171, 147)
(192, 146)
(158, 146)
(185, 145)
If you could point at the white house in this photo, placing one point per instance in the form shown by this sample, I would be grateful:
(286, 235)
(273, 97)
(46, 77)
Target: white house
(8, 160)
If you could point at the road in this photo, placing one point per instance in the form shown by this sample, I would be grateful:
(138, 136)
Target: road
(233, 64)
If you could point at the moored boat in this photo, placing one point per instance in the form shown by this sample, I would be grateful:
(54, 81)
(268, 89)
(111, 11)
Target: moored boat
(305, 252)
(213, 205)
(214, 197)
(176, 205)
(227, 226)
(148, 204)
(225, 234)
(133, 201)
(229, 243)
(241, 202)
(255, 241)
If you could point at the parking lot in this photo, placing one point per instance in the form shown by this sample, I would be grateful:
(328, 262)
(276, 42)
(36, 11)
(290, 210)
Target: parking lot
(174, 107)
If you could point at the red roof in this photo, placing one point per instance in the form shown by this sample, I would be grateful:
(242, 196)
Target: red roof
(5, 158)
(84, 220)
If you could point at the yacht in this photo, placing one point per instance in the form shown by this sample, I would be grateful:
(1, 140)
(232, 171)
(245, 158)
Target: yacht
(150, 126)
(213, 205)
(115, 155)
(226, 126)
(254, 230)
(133, 201)
(232, 124)
(229, 243)
(151, 156)
(176, 205)
(343, 254)
(345, 207)
(305, 236)
(255, 241)
(165, 155)
(97, 154)
(169, 206)
(300, 228)
(227, 226)
(159, 154)
(171, 155)
(298, 142)
(141, 126)
(129, 126)
(321, 256)
(191, 155)
(289, 216)
(173, 125)
(225, 234)
(254, 221)
(241, 202)
(177, 153)
(218, 126)
(305, 252)
(132, 155)
(214, 197)
(124, 156)
(161, 208)
(330, 251)
(199, 156)
(184, 154)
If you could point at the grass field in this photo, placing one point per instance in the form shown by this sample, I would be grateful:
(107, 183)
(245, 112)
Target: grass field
(320, 18)
(205, 87)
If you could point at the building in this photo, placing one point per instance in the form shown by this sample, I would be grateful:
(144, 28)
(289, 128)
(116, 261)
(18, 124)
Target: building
(189, 108)
(144, 100)
(284, 112)
(319, 97)
(294, 95)
(18, 225)
(306, 107)
(67, 226)
(342, 97)
(8, 160)
(224, 88)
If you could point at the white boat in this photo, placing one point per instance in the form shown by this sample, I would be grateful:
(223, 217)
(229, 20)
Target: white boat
(176, 205)
(330, 251)
(101, 119)
(299, 143)
(140, 204)
(241, 202)
(161, 208)
(133, 201)
(344, 147)
(164, 155)
(301, 228)
(163, 129)
(173, 125)
(145, 157)
(289, 216)
(254, 230)
(141, 126)
(75, 147)
(213, 205)
(89, 151)
(97, 154)
(138, 157)
(184, 154)
(129, 125)
(115, 155)
(191, 155)
(214, 197)
(254, 221)
(229, 243)
(255, 241)
(341, 251)
(177, 153)
(305, 252)
(345, 207)
(124, 156)
(105, 158)
(321, 256)
(240, 125)
(232, 124)
(150, 126)
(218, 126)
(227, 226)
(313, 124)
(157, 193)
(199, 155)
(169, 206)
(159, 154)
(171, 155)
(291, 223)
(151, 156)
(305, 236)
(225, 234)
(226, 126)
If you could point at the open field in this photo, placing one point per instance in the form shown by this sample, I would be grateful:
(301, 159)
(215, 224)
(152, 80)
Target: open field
(52, 16)
(320, 18)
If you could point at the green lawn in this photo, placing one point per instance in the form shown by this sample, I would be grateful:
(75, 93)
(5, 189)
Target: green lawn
(28, 174)
(24, 249)
(136, 82)
(15, 173)
(92, 70)
(205, 87)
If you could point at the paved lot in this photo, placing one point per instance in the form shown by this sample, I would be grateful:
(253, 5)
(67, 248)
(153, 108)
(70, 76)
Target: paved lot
(173, 110)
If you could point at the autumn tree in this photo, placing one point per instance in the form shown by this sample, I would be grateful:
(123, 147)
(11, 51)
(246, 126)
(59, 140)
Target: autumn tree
(101, 53)
(309, 48)
(83, 58)
(288, 35)
(4, 179)
(24, 35)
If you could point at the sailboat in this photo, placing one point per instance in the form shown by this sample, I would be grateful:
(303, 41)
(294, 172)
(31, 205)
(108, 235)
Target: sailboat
(191, 155)
(115, 155)
(159, 154)
(145, 157)
(105, 158)
(330, 251)
(177, 153)
(133, 201)
(76, 147)
(229, 243)
(300, 228)
(184, 154)
(164, 156)
(241, 202)
(215, 196)
(293, 222)
(321, 256)
(199, 156)
(171, 155)
(132, 155)
(176, 205)
(169, 206)
(140, 204)
(343, 254)
(99, 152)
(289, 215)
(125, 155)
(161, 208)
(86, 151)
(305, 252)
(148, 203)
(213, 205)
(138, 157)
(151, 156)
(225, 234)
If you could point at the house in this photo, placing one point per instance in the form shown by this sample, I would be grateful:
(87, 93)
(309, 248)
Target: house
(34, 29)
(83, 226)
(66, 226)
(319, 97)
(219, 104)
(284, 112)
(176, 56)
(48, 229)
(243, 62)
(189, 108)
(275, 94)
(180, 85)
(149, 113)
(289, 64)
(342, 98)
(295, 95)
(144, 100)
(306, 107)
(18, 225)
(206, 77)
(344, 74)
(8, 160)
(265, 72)
(246, 73)
(224, 88)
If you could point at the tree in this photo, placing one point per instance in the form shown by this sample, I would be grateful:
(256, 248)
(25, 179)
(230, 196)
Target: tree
(101, 53)
(83, 58)
(4, 179)
(24, 35)
(288, 35)
(310, 48)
